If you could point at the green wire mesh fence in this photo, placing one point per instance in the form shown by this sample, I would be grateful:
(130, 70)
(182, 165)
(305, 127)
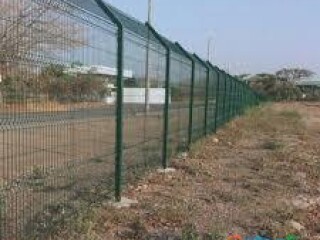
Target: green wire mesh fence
(89, 99)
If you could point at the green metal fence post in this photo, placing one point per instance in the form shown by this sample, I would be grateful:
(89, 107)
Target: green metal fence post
(243, 96)
(207, 92)
(224, 107)
(240, 100)
(193, 72)
(217, 110)
(237, 98)
(119, 108)
(217, 72)
(167, 97)
(207, 102)
(247, 96)
(230, 98)
(240, 97)
(236, 108)
(234, 98)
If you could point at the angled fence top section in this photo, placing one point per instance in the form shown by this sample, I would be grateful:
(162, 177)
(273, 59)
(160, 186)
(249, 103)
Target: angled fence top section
(90, 6)
(129, 23)
(132, 25)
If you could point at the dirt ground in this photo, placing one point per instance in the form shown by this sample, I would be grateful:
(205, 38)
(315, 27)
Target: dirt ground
(258, 173)
(45, 165)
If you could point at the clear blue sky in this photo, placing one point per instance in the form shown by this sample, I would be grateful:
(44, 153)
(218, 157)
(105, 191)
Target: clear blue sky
(249, 36)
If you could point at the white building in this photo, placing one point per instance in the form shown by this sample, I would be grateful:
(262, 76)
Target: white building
(130, 95)
(109, 73)
(98, 70)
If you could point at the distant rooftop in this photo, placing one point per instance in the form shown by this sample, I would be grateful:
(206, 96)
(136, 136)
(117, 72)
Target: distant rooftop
(98, 70)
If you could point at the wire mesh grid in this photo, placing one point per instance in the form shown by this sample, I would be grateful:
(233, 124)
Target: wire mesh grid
(64, 143)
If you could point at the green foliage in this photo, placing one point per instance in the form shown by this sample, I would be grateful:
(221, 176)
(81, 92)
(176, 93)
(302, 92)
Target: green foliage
(281, 85)
(275, 88)
(291, 74)
(2, 204)
(13, 89)
(76, 89)
(54, 70)
(38, 173)
(311, 93)
(64, 87)
(54, 83)
(189, 232)
(272, 145)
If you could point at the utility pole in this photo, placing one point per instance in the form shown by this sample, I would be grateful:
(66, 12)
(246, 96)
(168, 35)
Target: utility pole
(209, 49)
(147, 85)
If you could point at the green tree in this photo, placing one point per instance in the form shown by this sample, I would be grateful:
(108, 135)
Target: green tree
(274, 87)
(293, 74)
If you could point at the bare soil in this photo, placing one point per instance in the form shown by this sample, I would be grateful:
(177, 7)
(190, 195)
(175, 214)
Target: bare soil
(46, 165)
(259, 172)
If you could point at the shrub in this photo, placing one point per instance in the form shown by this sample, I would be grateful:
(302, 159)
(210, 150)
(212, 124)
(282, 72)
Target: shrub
(64, 87)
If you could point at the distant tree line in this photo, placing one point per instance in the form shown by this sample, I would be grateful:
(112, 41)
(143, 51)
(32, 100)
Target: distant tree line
(55, 84)
(32, 28)
(279, 86)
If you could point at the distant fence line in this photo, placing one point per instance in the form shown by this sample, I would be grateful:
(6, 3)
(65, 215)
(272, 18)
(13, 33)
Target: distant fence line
(71, 133)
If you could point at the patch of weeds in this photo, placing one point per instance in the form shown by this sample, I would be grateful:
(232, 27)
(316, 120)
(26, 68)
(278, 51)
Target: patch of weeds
(272, 145)
(38, 173)
(2, 210)
(36, 178)
(64, 187)
(225, 196)
(281, 213)
(97, 160)
(152, 160)
(195, 148)
(213, 236)
(150, 147)
(84, 223)
(121, 216)
(138, 230)
(291, 114)
(50, 221)
(93, 194)
(176, 213)
(190, 170)
(182, 147)
(189, 232)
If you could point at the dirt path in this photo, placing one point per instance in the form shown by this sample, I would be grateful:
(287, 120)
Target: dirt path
(261, 172)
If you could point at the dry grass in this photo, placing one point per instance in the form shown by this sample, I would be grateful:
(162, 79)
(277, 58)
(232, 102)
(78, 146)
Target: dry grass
(46, 106)
(261, 172)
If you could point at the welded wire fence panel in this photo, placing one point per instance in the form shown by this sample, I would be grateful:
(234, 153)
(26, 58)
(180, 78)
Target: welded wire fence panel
(199, 100)
(180, 90)
(78, 114)
(225, 96)
(57, 134)
(212, 100)
(228, 98)
(144, 97)
(233, 97)
(219, 99)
